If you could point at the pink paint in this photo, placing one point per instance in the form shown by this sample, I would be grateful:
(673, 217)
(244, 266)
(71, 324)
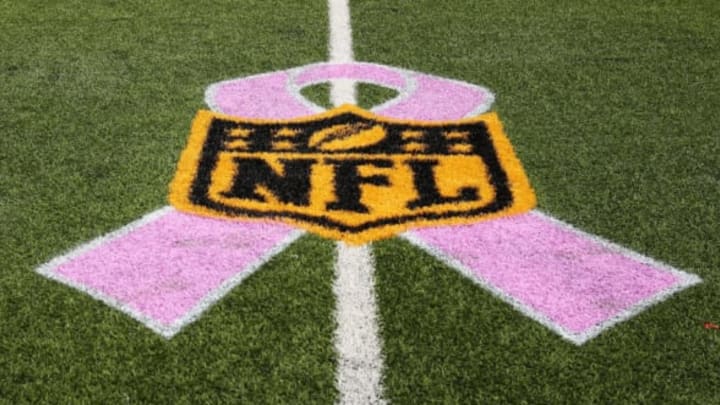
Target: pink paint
(163, 269)
(363, 72)
(576, 282)
(421, 96)
(169, 269)
(262, 96)
(440, 99)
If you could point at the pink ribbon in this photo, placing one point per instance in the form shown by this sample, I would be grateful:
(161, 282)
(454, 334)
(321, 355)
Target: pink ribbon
(168, 267)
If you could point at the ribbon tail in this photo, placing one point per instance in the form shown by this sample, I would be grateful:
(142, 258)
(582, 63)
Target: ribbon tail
(168, 267)
(572, 282)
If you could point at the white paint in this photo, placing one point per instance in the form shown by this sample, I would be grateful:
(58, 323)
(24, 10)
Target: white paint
(359, 373)
(685, 280)
(167, 331)
(404, 92)
(340, 46)
(346, 95)
(342, 91)
(357, 341)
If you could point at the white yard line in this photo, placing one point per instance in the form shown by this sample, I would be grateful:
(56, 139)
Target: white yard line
(341, 91)
(357, 340)
(359, 373)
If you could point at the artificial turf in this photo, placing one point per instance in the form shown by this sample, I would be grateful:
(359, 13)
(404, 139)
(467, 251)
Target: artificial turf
(368, 95)
(611, 106)
(96, 107)
(269, 341)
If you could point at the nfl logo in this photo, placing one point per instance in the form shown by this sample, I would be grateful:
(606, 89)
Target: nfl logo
(349, 174)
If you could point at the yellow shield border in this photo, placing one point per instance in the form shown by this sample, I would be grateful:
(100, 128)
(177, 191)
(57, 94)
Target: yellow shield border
(188, 191)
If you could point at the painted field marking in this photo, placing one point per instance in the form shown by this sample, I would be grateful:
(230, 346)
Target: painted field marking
(576, 284)
(419, 96)
(111, 269)
(105, 259)
(357, 339)
(168, 267)
(340, 49)
(575, 270)
(576, 265)
(348, 174)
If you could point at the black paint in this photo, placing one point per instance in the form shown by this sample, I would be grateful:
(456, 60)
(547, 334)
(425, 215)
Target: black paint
(348, 180)
(293, 187)
(426, 186)
(261, 140)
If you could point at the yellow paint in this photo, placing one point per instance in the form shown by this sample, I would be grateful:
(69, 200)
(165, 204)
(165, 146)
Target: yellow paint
(412, 134)
(414, 147)
(286, 132)
(240, 132)
(461, 148)
(283, 145)
(452, 173)
(457, 135)
(237, 144)
(345, 136)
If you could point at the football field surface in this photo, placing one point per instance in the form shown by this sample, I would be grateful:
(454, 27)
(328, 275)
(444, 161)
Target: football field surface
(611, 106)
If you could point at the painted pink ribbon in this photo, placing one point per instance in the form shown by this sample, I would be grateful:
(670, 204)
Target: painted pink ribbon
(168, 267)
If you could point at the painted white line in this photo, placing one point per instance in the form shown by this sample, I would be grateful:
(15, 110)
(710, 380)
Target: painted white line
(340, 31)
(342, 91)
(357, 341)
(359, 373)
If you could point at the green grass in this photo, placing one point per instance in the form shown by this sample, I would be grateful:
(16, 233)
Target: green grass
(448, 341)
(368, 95)
(269, 341)
(612, 107)
(97, 103)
